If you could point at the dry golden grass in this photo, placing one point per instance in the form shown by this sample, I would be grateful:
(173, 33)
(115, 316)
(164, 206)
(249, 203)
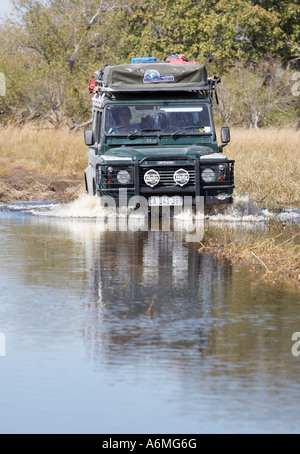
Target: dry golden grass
(276, 256)
(267, 160)
(5, 171)
(44, 152)
(267, 165)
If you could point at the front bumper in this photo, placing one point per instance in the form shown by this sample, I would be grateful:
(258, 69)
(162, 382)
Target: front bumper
(217, 192)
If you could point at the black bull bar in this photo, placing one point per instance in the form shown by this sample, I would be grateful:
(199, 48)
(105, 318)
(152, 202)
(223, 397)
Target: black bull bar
(139, 188)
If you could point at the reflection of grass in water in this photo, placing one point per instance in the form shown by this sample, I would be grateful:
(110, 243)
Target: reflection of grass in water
(276, 256)
(150, 308)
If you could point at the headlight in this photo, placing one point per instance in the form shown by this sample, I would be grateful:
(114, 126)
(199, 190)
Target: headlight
(208, 175)
(123, 177)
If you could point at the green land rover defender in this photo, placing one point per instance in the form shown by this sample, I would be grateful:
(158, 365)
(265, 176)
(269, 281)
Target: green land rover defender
(153, 134)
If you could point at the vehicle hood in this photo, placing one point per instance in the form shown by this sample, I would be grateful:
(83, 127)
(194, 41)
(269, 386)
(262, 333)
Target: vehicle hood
(130, 153)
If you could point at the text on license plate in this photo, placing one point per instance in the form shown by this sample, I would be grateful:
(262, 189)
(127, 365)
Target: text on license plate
(166, 201)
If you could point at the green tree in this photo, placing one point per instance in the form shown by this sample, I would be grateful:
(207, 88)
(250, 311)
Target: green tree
(289, 21)
(48, 56)
(257, 95)
(56, 45)
(221, 31)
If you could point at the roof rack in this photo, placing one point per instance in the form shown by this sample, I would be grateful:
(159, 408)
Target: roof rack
(149, 75)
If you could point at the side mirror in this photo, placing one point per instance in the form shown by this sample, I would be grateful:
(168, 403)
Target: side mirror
(225, 134)
(89, 137)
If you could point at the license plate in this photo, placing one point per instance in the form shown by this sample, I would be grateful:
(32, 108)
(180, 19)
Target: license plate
(165, 201)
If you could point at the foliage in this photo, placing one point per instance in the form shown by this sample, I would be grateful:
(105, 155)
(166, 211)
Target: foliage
(50, 48)
(220, 31)
(257, 95)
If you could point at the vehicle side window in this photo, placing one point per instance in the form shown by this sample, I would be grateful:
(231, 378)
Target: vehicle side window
(96, 125)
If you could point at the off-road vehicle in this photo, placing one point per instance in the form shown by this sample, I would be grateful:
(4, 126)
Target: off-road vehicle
(153, 133)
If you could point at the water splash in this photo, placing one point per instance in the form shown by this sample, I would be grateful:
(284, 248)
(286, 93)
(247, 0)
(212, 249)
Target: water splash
(85, 206)
(243, 210)
(28, 207)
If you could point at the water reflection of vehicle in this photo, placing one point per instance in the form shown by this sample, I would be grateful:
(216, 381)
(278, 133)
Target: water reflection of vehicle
(201, 307)
(131, 271)
(215, 347)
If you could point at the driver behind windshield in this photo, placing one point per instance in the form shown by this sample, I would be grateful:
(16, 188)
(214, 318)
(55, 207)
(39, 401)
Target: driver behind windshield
(169, 119)
(123, 120)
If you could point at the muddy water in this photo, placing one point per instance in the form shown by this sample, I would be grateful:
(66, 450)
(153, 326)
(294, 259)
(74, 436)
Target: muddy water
(136, 332)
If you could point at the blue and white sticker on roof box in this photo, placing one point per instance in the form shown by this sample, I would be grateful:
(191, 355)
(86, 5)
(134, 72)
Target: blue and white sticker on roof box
(153, 76)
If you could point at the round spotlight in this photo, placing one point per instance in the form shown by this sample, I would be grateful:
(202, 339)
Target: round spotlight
(152, 178)
(181, 177)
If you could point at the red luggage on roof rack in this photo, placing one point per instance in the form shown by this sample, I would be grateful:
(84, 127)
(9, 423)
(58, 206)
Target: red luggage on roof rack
(180, 58)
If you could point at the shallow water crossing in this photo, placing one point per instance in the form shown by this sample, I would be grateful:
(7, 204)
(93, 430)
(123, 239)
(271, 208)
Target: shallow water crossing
(136, 332)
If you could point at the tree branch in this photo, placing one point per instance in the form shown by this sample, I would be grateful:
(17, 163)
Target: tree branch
(76, 126)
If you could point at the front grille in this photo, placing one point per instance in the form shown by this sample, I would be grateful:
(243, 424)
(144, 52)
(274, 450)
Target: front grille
(166, 174)
(224, 181)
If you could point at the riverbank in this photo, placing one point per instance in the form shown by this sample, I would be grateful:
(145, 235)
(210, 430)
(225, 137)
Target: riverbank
(41, 165)
(272, 256)
(40, 188)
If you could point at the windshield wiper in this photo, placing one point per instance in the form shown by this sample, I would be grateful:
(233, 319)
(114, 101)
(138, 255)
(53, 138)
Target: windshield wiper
(188, 127)
(139, 131)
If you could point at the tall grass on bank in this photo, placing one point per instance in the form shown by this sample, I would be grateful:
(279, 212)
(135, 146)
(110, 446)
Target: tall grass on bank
(43, 152)
(274, 255)
(267, 160)
(267, 165)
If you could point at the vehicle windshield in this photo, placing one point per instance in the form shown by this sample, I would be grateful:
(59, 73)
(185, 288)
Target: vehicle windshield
(157, 119)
